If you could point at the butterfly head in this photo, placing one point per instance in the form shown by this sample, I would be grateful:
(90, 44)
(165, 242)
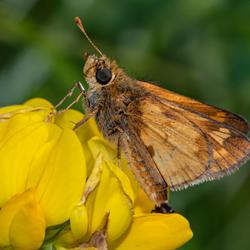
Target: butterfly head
(99, 71)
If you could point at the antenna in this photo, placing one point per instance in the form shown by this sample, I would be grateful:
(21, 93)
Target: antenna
(78, 22)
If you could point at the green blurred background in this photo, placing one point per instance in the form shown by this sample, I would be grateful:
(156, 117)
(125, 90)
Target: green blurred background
(199, 48)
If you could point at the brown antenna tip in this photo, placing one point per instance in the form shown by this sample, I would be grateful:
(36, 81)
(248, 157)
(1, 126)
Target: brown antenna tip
(78, 22)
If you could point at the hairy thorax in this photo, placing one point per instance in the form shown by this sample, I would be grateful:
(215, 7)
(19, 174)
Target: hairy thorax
(113, 104)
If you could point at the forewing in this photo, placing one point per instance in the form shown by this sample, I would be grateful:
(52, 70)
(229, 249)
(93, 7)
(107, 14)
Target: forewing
(187, 147)
(229, 118)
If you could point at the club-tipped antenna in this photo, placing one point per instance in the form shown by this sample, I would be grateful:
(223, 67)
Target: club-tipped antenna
(78, 22)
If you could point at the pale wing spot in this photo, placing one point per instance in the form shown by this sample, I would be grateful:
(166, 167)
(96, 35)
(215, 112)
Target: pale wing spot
(220, 137)
(224, 130)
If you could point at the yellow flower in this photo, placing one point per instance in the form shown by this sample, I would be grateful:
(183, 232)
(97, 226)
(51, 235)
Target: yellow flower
(112, 197)
(51, 175)
(42, 171)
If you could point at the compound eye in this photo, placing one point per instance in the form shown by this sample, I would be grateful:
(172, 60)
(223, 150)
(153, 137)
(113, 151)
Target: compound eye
(103, 76)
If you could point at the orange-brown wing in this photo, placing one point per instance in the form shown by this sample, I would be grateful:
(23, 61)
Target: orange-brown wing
(187, 147)
(187, 103)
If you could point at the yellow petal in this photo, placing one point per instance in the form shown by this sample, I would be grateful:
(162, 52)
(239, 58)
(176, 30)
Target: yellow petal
(43, 107)
(20, 139)
(40, 155)
(93, 179)
(12, 109)
(155, 232)
(124, 181)
(62, 180)
(142, 204)
(68, 119)
(65, 240)
(79, 222)
(98, 146)
(109, 199)
(9, 210)
(88, 130)
(27, 228)
(39, 102)
(85, 133)
(16, 123)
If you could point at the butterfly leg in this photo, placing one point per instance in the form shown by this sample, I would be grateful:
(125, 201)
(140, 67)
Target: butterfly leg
(86, 118)
(164, 208)
(70, 93)
(117, 132)
(119, 151)
(72, 103)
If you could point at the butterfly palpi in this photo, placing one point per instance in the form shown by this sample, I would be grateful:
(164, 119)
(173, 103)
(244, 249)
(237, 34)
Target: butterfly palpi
(169, 140)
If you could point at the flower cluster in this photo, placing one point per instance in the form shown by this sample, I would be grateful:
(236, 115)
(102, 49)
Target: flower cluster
(63, 188)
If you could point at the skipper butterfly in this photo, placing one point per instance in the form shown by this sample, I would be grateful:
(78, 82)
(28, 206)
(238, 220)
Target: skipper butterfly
(169, 140)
